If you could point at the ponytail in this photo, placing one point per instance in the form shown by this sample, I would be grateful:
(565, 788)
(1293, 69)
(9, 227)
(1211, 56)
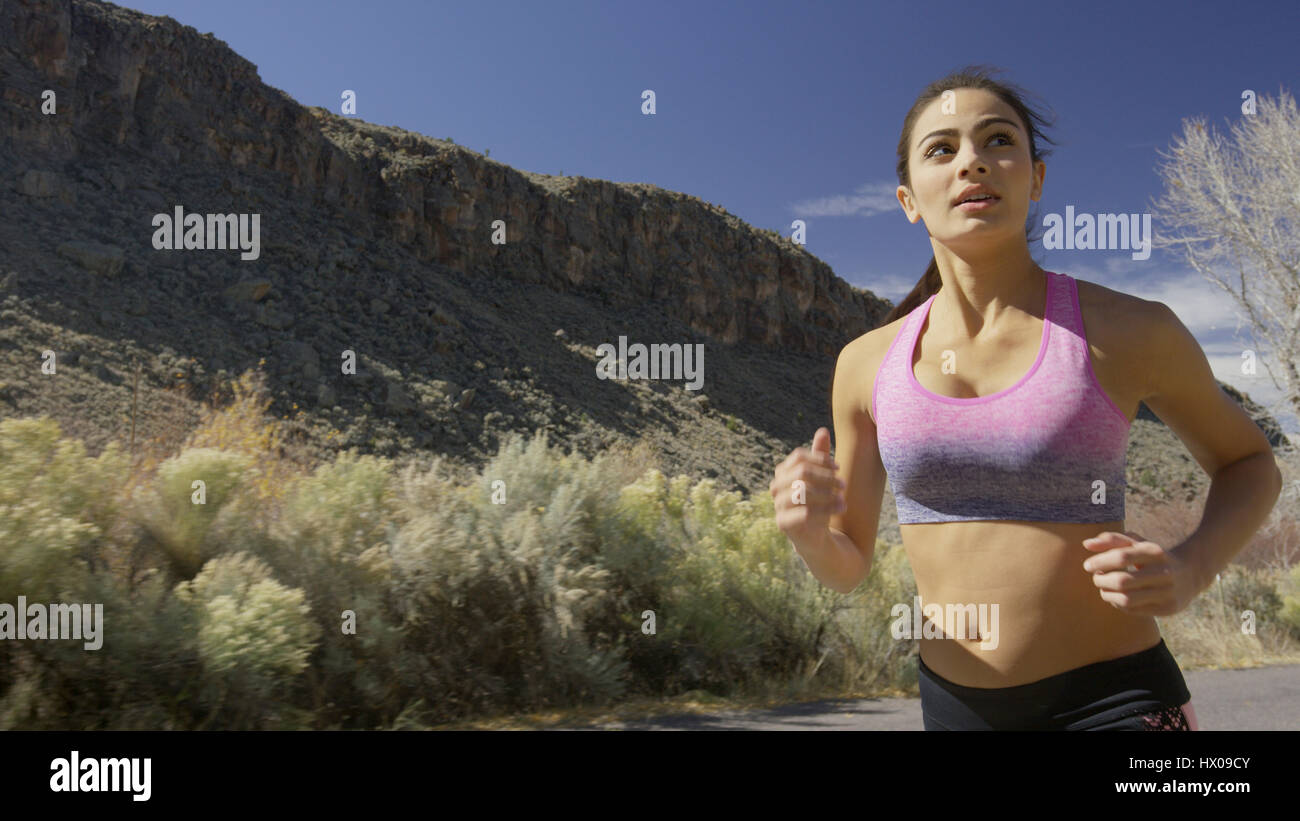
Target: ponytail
(928, 286)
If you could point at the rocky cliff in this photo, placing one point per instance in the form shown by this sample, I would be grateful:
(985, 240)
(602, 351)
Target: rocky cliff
(134, 90)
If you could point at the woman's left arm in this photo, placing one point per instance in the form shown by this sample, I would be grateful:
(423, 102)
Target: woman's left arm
(1245, 479)
(1241, 496)
(1221, 436)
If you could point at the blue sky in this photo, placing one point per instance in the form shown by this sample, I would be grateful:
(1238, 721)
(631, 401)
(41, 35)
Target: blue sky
(780, 111)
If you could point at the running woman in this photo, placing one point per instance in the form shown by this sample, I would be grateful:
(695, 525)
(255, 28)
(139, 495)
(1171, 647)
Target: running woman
(998, 397)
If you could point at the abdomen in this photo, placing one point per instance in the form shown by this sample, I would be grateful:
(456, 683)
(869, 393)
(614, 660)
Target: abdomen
(1050, 617)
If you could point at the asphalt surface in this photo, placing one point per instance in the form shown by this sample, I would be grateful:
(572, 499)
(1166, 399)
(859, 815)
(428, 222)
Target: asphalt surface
(1262, 698)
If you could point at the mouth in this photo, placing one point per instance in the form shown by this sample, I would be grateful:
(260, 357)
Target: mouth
(978, 204)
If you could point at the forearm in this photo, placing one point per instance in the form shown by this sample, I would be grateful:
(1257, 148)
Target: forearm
(1241, 496)
(835, 561)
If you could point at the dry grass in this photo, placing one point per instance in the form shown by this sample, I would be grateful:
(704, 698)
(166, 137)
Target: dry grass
(1209, 633)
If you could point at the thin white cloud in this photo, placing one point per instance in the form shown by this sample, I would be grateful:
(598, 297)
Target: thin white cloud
(1202, 306)
(867, 200)
(887, 286)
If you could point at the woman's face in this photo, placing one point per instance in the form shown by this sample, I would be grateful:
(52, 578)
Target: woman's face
(982, 148)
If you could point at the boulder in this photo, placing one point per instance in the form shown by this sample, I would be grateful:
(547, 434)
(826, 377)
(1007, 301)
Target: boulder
(104, 260)
(396, 399)
(44, 184)
(249, 290)
(298, 357)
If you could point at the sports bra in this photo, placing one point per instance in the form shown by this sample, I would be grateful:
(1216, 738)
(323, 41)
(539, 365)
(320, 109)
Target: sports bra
(1050, 448)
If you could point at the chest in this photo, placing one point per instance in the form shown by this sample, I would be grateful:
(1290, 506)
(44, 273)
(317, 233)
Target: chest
(966, 369)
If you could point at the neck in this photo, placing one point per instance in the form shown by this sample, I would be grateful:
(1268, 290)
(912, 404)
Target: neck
(981, 296)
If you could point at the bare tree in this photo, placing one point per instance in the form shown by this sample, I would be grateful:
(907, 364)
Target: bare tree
(1239, 206)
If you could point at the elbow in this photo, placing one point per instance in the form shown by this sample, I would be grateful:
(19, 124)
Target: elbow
(1252, 468)
(1275, 475)
(855, 583)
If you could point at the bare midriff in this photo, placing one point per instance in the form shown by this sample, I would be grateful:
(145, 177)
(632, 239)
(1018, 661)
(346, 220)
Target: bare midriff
(1050, 617)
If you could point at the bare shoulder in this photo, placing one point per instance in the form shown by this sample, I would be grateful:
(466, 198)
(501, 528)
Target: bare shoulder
(862, 358)
(1122, 330)
(1104, 300)
(1115, 320)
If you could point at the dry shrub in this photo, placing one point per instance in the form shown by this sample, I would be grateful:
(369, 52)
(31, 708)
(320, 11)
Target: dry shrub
(243, 426)
(1210, 631)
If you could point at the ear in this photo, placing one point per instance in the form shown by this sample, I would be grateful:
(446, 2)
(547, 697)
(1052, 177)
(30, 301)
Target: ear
(905, 200)
(1036, 189)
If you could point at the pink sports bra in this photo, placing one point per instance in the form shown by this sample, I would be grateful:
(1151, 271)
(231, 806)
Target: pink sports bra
(1050, 448)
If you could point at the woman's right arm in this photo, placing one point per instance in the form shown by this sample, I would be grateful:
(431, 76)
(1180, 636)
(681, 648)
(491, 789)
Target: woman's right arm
(837, 541)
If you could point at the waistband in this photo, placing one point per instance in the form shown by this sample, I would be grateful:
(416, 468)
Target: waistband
(1153, 670)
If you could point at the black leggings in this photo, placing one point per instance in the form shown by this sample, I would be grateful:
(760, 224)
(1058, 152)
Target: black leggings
(1143, 691)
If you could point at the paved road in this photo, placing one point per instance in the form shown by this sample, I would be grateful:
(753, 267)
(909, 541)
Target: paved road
(1262, 698)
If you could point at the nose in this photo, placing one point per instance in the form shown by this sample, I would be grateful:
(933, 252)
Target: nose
(971, 162)
(969, 158)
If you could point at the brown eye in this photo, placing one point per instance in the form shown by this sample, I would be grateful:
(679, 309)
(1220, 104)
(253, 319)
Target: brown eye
(1004, 135)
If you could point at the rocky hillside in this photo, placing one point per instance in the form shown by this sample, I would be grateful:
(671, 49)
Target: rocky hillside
(473, 295)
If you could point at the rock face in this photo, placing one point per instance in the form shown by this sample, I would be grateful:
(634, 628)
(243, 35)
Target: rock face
(130, 85)
(98, 259)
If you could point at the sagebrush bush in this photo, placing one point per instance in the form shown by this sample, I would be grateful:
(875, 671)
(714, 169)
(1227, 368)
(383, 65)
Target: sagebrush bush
(254, 635)
(739, 608)
(145, 676)
(182, 519)
(332, 541)
(739, 612)
(1250, 589)
(874, 656)
(55, 503)
(1215, 629)
(352, 595)
(499, 583)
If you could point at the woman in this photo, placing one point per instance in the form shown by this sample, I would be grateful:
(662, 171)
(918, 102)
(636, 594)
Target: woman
(998, 396)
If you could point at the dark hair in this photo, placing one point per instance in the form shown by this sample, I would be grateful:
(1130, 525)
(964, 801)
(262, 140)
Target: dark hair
(969, 77)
